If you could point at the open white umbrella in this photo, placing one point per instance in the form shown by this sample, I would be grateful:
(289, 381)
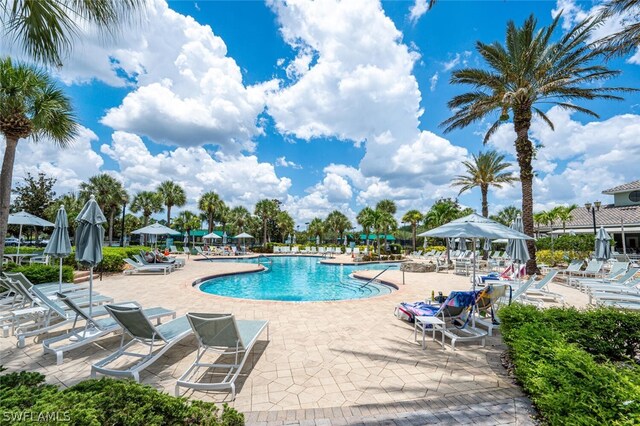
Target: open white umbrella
(603, 245)
(211, 236)
(243, 236)
(475, 226)
(156, 229)
(59, 245)
(23, 218)
(89, 238)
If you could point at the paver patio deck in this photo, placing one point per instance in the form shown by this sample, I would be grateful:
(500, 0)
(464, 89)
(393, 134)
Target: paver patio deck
(342, 362)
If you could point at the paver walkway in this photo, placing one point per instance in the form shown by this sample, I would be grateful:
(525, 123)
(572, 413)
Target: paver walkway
(343, 362)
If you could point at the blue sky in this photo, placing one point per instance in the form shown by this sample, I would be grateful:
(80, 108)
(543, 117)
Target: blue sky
(324, 105)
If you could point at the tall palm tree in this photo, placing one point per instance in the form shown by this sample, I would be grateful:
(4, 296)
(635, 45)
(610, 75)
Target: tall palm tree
(388, 206)
(147, 202)
(285, 224)
(110, 196)
(442, 211)
(486, 170)
(31, 106)
(186, 221)
(72, 205)
(45, 30)
(266, 210)
(628, 38)
(338, 222)
(210, 203)
(528, 71)
(316, 228)
(507, 215)
(239, 216)
(366, 219)
(565, 214)
(413, 217)
(171, 195)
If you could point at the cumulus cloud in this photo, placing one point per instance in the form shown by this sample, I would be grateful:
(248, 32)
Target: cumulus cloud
(283, 162)
(418, 9)
(433, 81)
(458, 58)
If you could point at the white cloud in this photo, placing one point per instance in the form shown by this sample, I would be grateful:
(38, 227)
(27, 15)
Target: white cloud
(459, 58)
(417, 10)
(283, 162)
(433, 81)
(238, 179)
(70, 166)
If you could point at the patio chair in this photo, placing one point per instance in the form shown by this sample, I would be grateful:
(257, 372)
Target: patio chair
(573, 266)
(488, 303)
(593, 268)
(138, 267)
(538, 288)
(42, 260)
(46, 287)
(621, 279)
(173, 250)
(223, 335)
(93, 328)
(136, 324)
(520, 293)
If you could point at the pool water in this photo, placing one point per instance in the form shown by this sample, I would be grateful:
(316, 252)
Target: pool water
(299, 279)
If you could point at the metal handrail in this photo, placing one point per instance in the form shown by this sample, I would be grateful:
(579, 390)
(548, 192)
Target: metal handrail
(382, 272)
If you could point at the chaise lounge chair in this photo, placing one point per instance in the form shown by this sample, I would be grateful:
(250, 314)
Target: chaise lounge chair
(488, 303)
(538, 288)
(222, 334)
(93, 329)
(140, 268)
(136, 324)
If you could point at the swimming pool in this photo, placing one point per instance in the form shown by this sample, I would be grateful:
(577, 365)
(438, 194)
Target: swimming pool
(298, 279)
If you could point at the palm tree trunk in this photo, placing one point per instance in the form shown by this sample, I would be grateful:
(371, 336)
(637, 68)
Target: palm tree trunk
(484, 190)
(210, 220)
(413, 231)
(6, 177)
(524, 150)
(145, 223)
(168, 214)
(264, 232)
(111, 214)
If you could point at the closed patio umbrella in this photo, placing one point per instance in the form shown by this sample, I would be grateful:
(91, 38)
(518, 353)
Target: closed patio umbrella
(59, 245)
(89, 238)
(23, 218)
(517, 248)
(603, 245)
(224, 238)
(317, 240)
(462, 244)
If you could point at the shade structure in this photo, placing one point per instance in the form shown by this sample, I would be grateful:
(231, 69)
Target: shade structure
(23, 218)
(345, 241)
(59, 245)
(211, 236)
(424, 244)
(475, 226)
(603, 245)
(243, 235)
(89, 239)
(317, 239)
(156, 229)
(293, 240)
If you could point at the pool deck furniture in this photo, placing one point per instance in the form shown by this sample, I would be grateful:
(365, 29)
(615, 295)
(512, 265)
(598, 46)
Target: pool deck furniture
(422, 323)
(225, 336)
(138, 268)
(137, 325)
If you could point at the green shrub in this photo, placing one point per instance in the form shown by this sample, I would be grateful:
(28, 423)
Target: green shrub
(436, 248)
(38, 273)
(23, 249)
(567, 242)
(106, 401)
(557, 257)
(112, 258)
(562, 358)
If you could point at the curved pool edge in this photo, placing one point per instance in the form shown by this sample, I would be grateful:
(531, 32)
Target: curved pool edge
(199, 281)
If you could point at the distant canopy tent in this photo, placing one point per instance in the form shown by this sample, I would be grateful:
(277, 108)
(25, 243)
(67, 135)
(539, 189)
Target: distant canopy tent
(371, 237)
(156, 229)
(211, 236)
(23, 218)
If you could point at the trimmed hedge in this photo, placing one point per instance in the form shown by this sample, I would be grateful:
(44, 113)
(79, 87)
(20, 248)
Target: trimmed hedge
(556, 257)
(563, 359)
(567, 242)
(103, 402)
(23, 249)
(112, 260)
(38, 273)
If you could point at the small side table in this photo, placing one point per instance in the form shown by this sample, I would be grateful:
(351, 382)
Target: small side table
(422, 323)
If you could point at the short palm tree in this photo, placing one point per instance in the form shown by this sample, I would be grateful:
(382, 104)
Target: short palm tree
(31, 106)
(507, 215)
(147, 202)
(366, 219)
(388, 206)
(442, 211)
(316, 228)
(628, 38)
(210, 204)
(110, 196)
(285, 224)
(413, 217)
(171, 195)
(384, 222)
(239, 216)
(266, 210)
(527, 71)
(45, 29)
(187, 221)
(485, 170)
(338, 222)
(565, 214)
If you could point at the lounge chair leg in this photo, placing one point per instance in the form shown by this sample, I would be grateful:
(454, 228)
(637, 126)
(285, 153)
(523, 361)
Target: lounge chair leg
(136, 376)
(233, 391)
(59, 357)
(177, 391)
(21, 342)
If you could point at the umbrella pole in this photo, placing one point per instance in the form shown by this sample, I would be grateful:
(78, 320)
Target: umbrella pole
(19, 240)
(90, 291)
(60, 282)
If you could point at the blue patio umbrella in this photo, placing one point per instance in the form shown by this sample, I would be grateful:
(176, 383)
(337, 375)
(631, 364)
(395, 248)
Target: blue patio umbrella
(462, 244)
(517, 248)
(89, 239)
(59, 245)
(603, 245)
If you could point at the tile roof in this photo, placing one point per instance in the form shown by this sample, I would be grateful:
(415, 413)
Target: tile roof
(623, 188)
(607, 215)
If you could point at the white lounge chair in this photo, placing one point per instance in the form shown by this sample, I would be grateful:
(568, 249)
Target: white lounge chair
(138, 267)
(221, 334)
(93, 328)
(538, 288)
(136, 324)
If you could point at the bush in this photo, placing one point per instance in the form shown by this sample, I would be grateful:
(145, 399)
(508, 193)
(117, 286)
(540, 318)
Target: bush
(106, 401)
(38, 273)
(567, 242)
(112, 258)
(556, 257)
(562, 359)
(23, 249)
(436, 248)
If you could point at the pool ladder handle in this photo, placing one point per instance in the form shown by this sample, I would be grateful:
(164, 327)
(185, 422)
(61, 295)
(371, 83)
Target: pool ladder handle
(383, 271)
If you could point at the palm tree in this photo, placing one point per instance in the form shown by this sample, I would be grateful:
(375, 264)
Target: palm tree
(628, 38)
(413, 217)
(564, 214)
(45, 30)
(210, 203)
(384, 222)
(266, 210)
(338, 222)
(317, 227)
(110, 196)
(387, 206)
(171, 195)
(507, 215)
(285, 224)
(72, 204)
(187, 221)
(366, 219)
(486, 170)
(223, 216)
(528, 71)
(442, 211)
(148, 203)
(239, 216)
(31, 106)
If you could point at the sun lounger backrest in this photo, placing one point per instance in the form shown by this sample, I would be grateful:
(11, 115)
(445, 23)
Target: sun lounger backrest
(134, 321)
(618, 268)
(574, 266)
(44, 299)
(546, 279)
(17, 288)
(75, 308)
(19, 276)
(492, 293)
(217, 330)
(523, 288)
(593, 266)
